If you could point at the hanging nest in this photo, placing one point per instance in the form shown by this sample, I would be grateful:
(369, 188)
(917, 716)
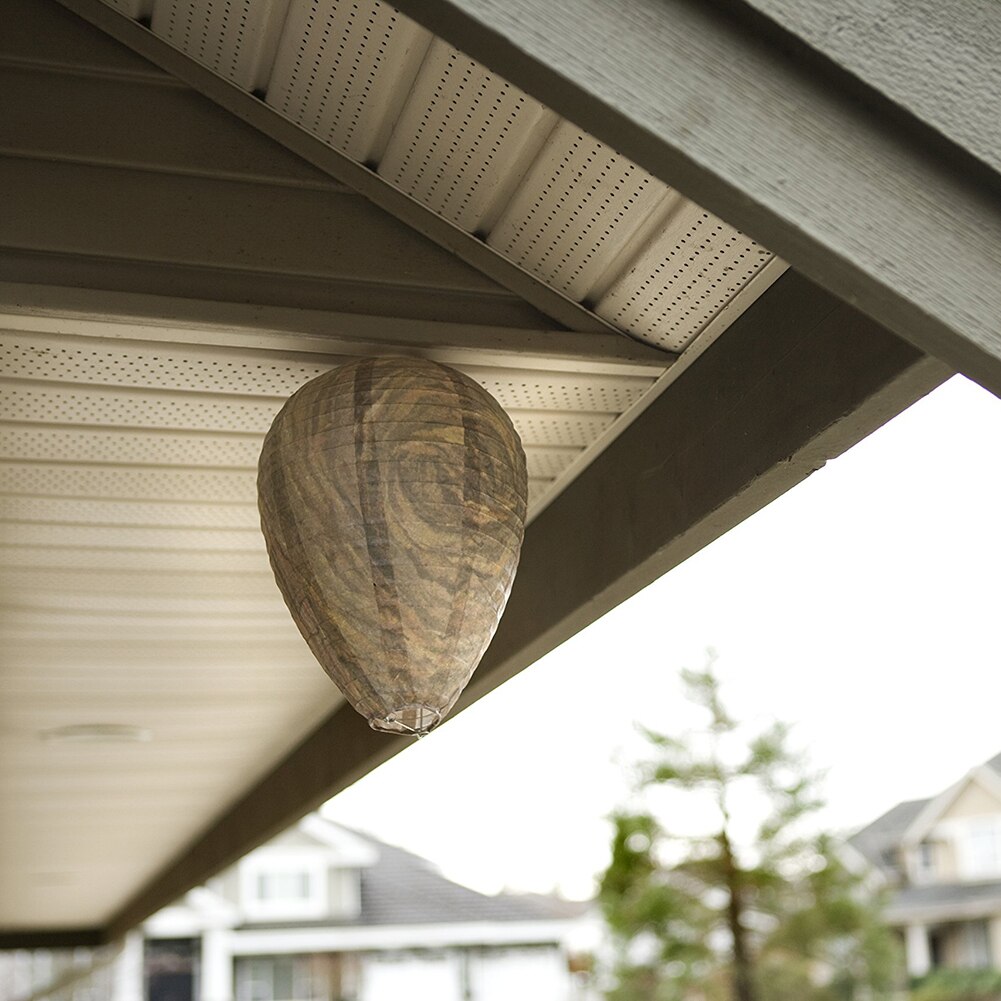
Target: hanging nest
(392, 494)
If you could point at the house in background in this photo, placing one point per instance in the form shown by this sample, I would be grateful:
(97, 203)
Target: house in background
(942, 858)
(322, 913)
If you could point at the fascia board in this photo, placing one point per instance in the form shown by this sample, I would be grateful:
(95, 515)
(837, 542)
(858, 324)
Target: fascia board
(351, 939)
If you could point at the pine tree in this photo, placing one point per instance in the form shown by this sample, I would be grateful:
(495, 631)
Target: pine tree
(777, 916)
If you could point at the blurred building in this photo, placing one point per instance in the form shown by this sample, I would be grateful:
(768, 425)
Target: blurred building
(322, 913)
(942, 859)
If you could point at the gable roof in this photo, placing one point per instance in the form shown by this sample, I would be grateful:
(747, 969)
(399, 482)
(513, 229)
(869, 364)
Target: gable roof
(398, 888)
(402, 888)
(984, 775)
(879, 840)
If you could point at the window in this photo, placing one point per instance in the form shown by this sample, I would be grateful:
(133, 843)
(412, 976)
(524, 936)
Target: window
(926, 862)
(295, 978)
(974, 946)
(983, 848)
(275, 978)
(345, 893)
(284, 885)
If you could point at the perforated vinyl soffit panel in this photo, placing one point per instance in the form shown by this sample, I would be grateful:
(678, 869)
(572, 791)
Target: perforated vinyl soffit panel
(477, 151)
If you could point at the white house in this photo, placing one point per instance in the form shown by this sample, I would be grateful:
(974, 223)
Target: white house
(942, 857)
(322, 913)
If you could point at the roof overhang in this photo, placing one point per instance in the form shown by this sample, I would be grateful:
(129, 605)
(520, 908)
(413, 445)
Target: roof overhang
(802, 378)
(861, 171)
(786, 377)
(963, 906)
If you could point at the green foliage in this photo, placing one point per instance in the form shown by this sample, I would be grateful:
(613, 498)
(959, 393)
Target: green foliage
(650, 908)
(707, 918)
(959, 985)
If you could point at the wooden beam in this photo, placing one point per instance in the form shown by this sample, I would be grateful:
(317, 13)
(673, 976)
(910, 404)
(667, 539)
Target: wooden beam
(190, 236)
(131, 316)
(53, 938)
(749, 121)
(797, 379)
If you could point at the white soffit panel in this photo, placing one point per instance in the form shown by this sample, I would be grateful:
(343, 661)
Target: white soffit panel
(123, 512)
(520, 390)
(464, 140)
(210, 486)
(481, 154)
(344, 70)
(34, 579)
(114, 446)
(149, 450)
(152, 605)
(220, 394)
(682, 277)
(94, 536)
(150, 562)
(235, 38)
(144, 421)
(135, 590)
(38, 357)
(95, 406)
(581, 206)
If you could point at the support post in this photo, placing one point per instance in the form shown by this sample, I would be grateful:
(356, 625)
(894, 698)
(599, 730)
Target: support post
(918, 950)
(127, 978)
(217, 966)
(994, 939)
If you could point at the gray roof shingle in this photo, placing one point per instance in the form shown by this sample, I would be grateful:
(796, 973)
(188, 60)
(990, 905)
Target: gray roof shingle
(878, 841)
(402, 889)
(915, 901)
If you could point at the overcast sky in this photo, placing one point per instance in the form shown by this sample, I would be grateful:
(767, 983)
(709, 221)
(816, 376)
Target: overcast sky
(863, 606)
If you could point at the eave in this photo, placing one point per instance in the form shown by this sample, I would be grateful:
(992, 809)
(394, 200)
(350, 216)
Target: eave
(745, 411)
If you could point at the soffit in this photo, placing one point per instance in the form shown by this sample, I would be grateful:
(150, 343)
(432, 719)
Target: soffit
(135, 588)
(475, 151)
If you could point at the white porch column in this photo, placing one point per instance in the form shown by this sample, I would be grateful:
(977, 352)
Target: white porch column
(918, 951)
(217, 966)
(994, 934)
(127, 977)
